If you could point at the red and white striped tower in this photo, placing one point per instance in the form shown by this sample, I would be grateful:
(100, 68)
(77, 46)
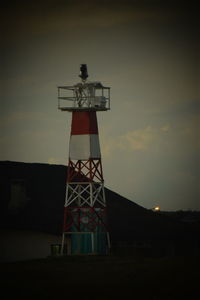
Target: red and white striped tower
(85, 227)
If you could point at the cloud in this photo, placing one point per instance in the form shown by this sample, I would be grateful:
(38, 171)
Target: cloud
(139, 139)
(177, 139)
(165, 128)
(53, 161)
(72, 15)
(135, 140)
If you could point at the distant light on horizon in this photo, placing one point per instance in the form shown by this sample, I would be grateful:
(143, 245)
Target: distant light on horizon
(156, 208)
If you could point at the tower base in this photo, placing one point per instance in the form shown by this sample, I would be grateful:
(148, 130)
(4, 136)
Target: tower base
(85, 243)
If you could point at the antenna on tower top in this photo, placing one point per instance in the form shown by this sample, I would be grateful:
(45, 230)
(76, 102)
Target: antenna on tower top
(83, 72)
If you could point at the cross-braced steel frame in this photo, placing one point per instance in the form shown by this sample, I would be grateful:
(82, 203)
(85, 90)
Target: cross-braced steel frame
(85, 205)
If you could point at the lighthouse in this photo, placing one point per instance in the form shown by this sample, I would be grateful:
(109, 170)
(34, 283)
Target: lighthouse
(85, 229)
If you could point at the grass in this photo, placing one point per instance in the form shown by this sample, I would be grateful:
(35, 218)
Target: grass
(99, 277)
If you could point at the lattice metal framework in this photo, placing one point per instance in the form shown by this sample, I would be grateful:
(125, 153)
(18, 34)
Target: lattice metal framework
(85, 204)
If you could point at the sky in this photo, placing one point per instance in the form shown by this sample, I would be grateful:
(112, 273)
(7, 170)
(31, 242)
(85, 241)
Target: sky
(146, 51)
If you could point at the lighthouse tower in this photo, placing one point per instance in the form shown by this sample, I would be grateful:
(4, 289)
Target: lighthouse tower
(85, 226)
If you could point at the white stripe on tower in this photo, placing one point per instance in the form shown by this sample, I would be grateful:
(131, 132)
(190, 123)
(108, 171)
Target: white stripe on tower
(84, 140)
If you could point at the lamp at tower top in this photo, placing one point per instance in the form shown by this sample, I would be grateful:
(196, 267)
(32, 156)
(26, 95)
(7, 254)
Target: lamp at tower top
(83, 72)
(85, 95)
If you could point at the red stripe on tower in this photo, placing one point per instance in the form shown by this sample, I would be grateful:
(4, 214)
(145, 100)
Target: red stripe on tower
(84, 123)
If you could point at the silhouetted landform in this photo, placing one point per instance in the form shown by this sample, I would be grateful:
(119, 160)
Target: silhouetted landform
(33, 194)
(189, 216)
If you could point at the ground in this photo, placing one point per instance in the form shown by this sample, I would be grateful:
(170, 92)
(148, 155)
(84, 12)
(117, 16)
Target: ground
(101, 277)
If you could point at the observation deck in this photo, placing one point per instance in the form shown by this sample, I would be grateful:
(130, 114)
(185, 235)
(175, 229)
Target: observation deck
(84, 96)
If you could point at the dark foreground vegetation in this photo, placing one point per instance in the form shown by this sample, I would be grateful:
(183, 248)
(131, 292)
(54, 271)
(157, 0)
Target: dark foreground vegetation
(99, 277)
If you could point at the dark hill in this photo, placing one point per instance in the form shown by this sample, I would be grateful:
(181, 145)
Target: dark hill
(32, 197)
